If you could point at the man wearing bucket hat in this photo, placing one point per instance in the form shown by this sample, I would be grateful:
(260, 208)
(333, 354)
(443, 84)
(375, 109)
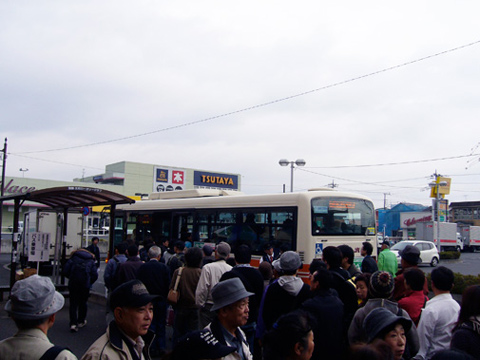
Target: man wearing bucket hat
(230, 302)
(128, 336)
(33, 304)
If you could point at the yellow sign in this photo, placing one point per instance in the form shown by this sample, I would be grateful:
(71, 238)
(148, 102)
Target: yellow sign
(443, 186)
(106, 208)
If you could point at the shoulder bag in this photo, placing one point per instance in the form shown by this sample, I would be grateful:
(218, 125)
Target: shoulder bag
(174, 294)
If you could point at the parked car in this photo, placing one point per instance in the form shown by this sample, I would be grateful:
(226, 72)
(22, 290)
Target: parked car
(428, 251)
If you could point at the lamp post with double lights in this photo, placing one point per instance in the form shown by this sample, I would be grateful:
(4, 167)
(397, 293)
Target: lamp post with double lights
(436, 184)
(298, 162)
(23, 171)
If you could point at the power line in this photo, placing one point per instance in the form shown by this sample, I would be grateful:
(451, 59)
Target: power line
(265, 103)
(357, 181)
(393, 163)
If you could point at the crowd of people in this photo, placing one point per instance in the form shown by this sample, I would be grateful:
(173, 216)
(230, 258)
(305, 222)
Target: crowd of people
(221, 307)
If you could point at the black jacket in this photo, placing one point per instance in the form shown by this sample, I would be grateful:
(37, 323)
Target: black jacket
(369, 265)
(327, 309)
(279, 302)
(346, 292)
(95, 251)
(467, 338)
(155, 276)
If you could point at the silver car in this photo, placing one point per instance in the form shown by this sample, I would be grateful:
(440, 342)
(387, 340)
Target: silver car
(428, 251)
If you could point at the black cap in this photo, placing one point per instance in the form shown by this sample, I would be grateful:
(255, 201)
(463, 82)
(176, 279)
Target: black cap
(410, 254)
(131, 294)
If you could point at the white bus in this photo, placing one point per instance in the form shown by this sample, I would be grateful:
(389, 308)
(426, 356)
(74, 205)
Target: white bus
(305, 222)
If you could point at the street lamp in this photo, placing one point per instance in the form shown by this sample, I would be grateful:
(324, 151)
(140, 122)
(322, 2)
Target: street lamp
(23, 171)
(298, 162)
(436, 185)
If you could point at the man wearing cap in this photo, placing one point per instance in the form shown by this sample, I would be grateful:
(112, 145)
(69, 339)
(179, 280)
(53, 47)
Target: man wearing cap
(410, 257)
(286, 294)
(210, 276)
(230, 302)
(33, 304)
(268, 255)
(387, 261)
(128, 336)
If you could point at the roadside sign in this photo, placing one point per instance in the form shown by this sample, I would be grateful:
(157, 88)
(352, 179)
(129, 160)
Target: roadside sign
(38, 246)
(85, 210)
(318, 250)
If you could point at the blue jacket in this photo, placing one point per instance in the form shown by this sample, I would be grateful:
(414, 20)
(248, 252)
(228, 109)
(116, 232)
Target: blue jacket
(81, 260)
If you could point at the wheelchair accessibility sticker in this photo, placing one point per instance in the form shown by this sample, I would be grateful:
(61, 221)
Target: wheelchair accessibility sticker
(318, 250)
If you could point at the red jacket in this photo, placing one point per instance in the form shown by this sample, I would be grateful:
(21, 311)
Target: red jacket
(413, 304)
(399, 290)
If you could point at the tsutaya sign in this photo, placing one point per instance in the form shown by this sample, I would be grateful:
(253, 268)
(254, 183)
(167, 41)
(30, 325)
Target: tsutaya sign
(214, 180)
(12, 188)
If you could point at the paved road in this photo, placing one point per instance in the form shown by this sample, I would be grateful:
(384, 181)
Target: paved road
(60, 333)
(468, 264)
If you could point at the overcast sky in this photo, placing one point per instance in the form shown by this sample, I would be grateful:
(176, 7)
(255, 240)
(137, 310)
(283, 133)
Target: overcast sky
(77, 75)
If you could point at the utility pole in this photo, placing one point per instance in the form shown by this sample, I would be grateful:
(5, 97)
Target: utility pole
(332, 185)
(2, 188)
(385, 200)
(435, 205)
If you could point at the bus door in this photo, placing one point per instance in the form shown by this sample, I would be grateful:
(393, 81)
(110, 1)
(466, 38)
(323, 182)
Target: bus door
(182, 225)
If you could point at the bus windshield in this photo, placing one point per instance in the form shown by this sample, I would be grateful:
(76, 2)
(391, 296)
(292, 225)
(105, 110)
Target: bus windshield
(342, 216)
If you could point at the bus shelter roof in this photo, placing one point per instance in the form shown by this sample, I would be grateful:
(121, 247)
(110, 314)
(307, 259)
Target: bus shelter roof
(72, 197)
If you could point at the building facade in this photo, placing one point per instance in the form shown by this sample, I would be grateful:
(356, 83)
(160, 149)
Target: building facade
(465, 212)
(126, 178)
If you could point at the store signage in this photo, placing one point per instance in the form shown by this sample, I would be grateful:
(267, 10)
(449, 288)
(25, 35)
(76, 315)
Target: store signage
(12, 188)
(412, 221)
(168, 179)
(214, 180)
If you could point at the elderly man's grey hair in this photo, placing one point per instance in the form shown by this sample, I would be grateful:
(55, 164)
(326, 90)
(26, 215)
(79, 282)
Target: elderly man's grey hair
(154, 252)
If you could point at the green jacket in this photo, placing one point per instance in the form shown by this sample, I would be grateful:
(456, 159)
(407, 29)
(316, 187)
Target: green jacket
(387, 261)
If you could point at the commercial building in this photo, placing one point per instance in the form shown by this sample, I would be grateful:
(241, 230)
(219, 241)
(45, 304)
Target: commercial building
(465, 212)
(399, 221)
(126, 178)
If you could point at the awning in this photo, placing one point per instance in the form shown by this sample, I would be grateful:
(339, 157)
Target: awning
(72, 197)
(62, 199)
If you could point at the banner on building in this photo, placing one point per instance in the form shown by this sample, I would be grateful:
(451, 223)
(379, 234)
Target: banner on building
(168, 179)
(214, 180)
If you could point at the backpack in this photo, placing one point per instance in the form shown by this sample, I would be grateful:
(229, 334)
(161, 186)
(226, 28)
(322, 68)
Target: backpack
(350, 282)
(80, 273)
(52, 353)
